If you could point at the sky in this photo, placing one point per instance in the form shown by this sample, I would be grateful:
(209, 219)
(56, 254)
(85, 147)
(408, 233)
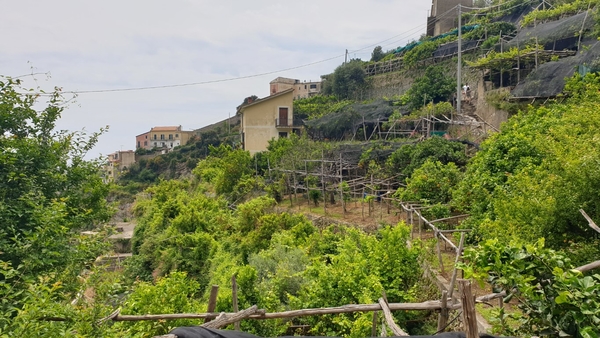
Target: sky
(228, 49)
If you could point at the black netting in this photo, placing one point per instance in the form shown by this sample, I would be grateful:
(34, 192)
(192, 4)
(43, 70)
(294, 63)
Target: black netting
(549, 79)
(452, 48)
(517, 14)
(346, 122)
(554, 35)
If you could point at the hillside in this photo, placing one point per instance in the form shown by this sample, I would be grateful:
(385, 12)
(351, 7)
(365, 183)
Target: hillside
(372, 204)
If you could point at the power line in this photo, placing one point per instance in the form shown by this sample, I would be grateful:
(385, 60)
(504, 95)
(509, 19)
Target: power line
(247, 76)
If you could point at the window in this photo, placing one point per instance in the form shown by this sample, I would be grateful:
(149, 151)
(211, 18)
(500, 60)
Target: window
(170, 136)
(283, 134)
(176, 135)
(116, 156)
(313, 86)
(304, 86)
(146, 136)
(155, 144)
(155, 138)
(139, 143)
(162, 136)
(163, 144)
(145, 143)
(171, 144)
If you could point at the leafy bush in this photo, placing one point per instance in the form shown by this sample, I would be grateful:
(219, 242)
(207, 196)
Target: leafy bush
(434, 86)
(530, 180)
(554, 300)
(433, 182)
(346, 80)
(412, 156)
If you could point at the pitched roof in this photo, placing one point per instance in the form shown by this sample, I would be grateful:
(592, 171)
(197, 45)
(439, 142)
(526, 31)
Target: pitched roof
(241, 109)
(166, 128)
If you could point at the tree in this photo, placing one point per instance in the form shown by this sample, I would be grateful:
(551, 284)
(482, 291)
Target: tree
(434, 86)
(346, 80)
(47, 192)
(377, 54)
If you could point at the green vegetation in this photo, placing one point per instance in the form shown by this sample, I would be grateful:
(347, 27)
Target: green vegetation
(410, 157)
(523, 190)
(434, 86)
(281, 260)
(48, 193)
(530, 180)
(346, 81)
(318, 106)
(560, 10)
(553, 298)
(377, 54)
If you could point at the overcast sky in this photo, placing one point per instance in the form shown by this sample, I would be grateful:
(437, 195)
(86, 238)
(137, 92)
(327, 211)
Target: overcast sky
(104, 45)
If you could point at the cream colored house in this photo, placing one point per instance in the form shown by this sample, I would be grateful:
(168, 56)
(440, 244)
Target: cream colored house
(167, 137)
(268, 118)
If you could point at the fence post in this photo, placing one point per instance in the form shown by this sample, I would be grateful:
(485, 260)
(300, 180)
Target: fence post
(439, 253)
(443, 316)
(234, 298)
(374, 328)
(212, 301)
(468, 308)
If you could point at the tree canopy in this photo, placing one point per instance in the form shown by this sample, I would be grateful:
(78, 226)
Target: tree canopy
(48, 192)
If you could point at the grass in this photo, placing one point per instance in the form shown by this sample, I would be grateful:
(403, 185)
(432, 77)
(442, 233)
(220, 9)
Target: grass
(492, 314)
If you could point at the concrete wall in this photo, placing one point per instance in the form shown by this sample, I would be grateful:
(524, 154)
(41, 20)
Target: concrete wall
(258, 122)
(142, 141)
(302, 89)
(492, 115)
(442, 19)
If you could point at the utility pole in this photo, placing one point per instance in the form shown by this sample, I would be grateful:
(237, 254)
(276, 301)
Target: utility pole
(459, 66)
(346, 57)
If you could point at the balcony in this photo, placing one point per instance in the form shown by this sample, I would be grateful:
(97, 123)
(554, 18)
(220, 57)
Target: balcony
(283, 123)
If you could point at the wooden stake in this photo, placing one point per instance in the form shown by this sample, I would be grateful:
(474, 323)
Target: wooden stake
(443, 316)
(212, 301)
(234, 297)
(468, 308)
(439, 253)
(374, 328)
(458, 254)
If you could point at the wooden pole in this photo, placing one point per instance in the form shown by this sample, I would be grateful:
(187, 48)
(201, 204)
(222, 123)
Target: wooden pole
(234, 297)
(420, 223)
(443, 316)
(212, 301)
(307, 185)
(295, 181)
(439, 253)
(374, 327)
(390, 319)
(323, 182)
(225, 319)
(458, 254)
(468, 309)
(342, 188)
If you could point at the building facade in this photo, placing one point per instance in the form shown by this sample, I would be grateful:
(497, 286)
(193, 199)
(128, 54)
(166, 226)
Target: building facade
(302, 90)
(444, 16)
(266, 119)
(117, 163)
(167, 137)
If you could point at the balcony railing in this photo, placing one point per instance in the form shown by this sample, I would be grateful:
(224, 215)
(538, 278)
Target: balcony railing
(283, 122)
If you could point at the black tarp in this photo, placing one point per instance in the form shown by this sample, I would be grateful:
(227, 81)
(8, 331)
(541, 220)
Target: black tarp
(202, 332)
